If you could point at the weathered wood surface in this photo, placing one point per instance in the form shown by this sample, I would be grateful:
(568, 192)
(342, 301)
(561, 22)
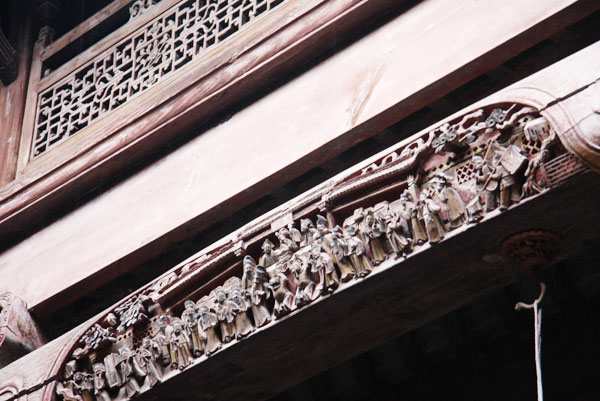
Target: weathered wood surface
(370, 84)
(395, 298)
(12, 97)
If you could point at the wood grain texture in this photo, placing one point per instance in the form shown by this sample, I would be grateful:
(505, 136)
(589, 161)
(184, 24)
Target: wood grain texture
(369, 85)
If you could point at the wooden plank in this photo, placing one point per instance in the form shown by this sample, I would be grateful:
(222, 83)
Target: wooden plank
(13, 97)
(294, 128)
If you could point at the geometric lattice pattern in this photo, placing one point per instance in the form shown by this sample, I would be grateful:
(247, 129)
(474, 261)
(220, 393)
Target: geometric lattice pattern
(137, 63)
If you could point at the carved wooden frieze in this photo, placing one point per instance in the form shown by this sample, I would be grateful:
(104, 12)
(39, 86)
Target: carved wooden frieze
(8, 60)
(428, 188)
(136, 63)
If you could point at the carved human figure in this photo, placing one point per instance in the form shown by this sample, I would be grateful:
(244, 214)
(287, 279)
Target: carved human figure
(322, 265)
(356, 250)
(373, 230)
(295, 235)
(284, 298)
(450, 198)
(147, 359)
(190, 317)
(225, 310)
(255, 282)
(332, 242)
(535, 130)
(305, 283)
(243, 325)
(208, 323)
(162, 340)
(430, 212)
(179, 345)
(417, 229)
(506, 163)
(84, 386)
(67, 387)
(308, 232)
(268, 257)
(398, 233)
(100, 385)
(129, 370)
(287, 246)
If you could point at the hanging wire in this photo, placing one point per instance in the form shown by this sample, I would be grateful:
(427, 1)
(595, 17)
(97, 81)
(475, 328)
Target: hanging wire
(537, 323)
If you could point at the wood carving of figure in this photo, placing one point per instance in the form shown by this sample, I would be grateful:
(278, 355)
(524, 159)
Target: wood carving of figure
(475, 207)
(305, 283)
(430, 211)
(243, 325)
(84, 385)
(398, 233)
(321, 264)
(67, 387)
(332, 242)
(162, 340)
(255, 282)
(356, 250)
(147, 359)
(308, 232)
(268, 257)
(295, 235)
(190, 318)
(284, 298)
(534, 183)
(417, 229)
(506, 163)
(129, 370)
(450, 198)
(225, 310)
(287, 246)
(208, 324)
(179, 345)
(100, 385)
(373, 231)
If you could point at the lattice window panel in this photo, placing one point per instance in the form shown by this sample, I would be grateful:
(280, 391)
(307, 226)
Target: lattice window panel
(137, 63)
(563, 167)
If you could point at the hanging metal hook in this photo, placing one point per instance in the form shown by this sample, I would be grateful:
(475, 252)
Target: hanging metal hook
(522, 305)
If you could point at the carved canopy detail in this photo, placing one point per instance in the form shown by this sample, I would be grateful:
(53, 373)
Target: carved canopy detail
(136, 63)
(460, 173)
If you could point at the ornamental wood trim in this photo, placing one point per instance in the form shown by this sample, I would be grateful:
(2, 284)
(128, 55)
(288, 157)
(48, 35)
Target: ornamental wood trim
(436, 185)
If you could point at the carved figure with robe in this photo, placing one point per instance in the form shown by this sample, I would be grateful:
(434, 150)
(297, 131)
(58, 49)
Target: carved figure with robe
(411, 211)
(243, 325)
(308, 232)
(430, 212)
(84, 386)
(179, 345)
(225, 310)
(356, 250)
(284, 298)
(450, 198)
(334, 244)
(305, 282)
(67, 388)
(190, 317)
(506, 163)
(129, 370)
(147, 359)
(162, 339)
(373, 230)
(208, 324)
(287, 246)
(322, 264)
(100, 384)
(255, 282)
(398, 233)
(268, 257)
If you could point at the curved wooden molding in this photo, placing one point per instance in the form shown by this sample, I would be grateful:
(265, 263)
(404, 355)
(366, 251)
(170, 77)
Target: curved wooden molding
(437, 185)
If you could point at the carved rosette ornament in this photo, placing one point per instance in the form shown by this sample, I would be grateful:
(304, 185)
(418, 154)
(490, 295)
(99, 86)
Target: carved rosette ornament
(533, 249)
(452, 177)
